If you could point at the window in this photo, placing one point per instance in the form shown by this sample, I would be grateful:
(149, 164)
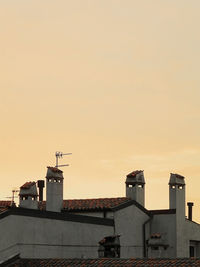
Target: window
(191, 251)
(155, 248)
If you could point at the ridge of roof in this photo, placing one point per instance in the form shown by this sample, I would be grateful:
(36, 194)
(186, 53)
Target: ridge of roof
(129, 203)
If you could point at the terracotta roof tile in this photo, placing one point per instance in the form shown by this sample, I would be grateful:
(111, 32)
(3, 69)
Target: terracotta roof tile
(156, 235)
(5, 203)
(27, 185)
(90, 204)
(104, 262)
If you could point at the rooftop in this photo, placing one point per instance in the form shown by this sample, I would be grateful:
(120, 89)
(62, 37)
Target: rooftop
(104, 262)
(5, 203)
(90, 204)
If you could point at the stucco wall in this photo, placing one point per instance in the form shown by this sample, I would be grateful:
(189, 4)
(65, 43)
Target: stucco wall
(191, 233)
(47, 238)
(129, 224)
(165, 224)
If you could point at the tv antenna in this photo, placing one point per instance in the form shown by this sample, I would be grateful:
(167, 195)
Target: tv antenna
(14, 191)
(59, 155)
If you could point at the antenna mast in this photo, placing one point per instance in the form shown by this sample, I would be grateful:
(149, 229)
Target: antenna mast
(14, 191)
(58, 155)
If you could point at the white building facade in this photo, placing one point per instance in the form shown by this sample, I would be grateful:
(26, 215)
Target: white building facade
(110, 227)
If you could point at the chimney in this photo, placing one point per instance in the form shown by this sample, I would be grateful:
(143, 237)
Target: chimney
(177, 194)
(40, 184)
(135, 186)
(28, 196)
(54, 189)
(190, 204)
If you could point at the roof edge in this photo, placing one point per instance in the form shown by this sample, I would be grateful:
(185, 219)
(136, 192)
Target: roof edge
(162, 211)
(129, 203)
(62, 216)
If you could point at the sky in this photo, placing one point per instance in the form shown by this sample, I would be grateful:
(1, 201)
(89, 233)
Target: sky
(114, 82)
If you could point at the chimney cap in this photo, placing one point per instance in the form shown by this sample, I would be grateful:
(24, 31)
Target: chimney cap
(53, 172)
(27, 185)
(135, 177)
(28, 189)
(190, 204)
(54, 169)
(40, 183)
(176, 179)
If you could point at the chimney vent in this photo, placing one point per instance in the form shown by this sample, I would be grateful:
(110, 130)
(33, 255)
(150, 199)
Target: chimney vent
(190, 204)
(40, 184)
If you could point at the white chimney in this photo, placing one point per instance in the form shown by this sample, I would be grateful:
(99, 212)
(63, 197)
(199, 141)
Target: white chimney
(54, 189)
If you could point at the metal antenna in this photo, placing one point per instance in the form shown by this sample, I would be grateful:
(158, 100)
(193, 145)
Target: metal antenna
(14, 191)
(58, 155)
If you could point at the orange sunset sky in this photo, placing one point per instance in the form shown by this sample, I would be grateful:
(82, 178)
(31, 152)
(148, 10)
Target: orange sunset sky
(114, 82)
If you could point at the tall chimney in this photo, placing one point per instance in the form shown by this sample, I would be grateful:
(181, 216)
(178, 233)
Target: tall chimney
(54, 189)
(40, 184)
(190, 204)
(135, 186)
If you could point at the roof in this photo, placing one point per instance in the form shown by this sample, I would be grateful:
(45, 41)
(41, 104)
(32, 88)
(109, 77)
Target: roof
(27, 185)
(90, 204)
(104, 262)
(93, 204)
(5, 203)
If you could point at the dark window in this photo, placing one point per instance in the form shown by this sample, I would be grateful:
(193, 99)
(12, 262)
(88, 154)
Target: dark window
(191, 251)
(109, 247)
(155, 248)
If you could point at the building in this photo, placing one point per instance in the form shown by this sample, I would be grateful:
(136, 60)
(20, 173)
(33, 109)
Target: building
(97, 228)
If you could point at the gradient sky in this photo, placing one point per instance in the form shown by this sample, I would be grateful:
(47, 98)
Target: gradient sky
(114, 82)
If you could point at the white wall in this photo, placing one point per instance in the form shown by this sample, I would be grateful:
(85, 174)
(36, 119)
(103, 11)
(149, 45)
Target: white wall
(46, 238)
(165, 224)
(129, 224)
